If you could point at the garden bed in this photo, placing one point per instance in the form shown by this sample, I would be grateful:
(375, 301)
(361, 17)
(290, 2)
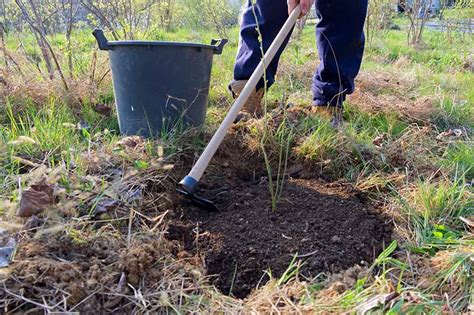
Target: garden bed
(328, 226)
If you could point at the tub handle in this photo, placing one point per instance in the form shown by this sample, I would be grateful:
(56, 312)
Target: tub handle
(101, 39)
(219, 45)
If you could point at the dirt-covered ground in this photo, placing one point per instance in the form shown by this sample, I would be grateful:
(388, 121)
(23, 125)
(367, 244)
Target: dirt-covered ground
(322, 226)
(328, 227)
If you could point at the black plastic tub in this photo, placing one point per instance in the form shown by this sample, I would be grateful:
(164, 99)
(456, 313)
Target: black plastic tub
(159, 86)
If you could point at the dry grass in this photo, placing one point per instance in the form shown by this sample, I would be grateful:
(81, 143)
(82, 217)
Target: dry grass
(25, 80)
(393, 92)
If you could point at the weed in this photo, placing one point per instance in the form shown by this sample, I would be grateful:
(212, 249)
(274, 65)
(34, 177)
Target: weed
(322, 144)
(460, 158)
(431, 207)
(293, 269)
(282, 135)
(454, 275)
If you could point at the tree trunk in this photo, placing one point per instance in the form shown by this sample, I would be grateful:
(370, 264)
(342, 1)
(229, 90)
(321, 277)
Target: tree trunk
(70, 21)
(4, 48)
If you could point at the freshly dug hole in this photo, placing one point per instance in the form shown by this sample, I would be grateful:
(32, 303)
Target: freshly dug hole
(327, 225)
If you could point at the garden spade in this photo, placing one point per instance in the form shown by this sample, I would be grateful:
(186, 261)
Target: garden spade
(189, 184)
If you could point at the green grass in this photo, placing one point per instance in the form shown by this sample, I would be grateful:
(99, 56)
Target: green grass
(322, 144)
(53, 128)
(437, 67)
(460, 12)
(460, 157)
(433, 210)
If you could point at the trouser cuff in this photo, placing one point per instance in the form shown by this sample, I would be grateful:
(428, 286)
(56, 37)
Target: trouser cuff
(337, 101)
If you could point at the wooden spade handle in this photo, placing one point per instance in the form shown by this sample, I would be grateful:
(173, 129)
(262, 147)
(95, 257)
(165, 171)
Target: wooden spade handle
(204, 160)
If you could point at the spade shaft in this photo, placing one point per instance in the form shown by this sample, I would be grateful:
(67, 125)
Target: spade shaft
(190, 182)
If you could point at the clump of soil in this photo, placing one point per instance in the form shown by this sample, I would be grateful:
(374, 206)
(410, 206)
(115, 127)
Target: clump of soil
(140, 260)
(60, 262)
(328, 226)
(92, 274)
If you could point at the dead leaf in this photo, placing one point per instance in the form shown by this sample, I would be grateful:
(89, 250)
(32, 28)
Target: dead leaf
(468, 221)
(451, 133)
(35, 200)
(102, 109)
(379, 140)
(131, 142)
(6, 253)
(47, 189)
(376, 301)
(105, 205)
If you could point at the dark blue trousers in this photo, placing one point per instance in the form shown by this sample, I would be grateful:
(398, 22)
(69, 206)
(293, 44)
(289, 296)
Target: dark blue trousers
(340, 42)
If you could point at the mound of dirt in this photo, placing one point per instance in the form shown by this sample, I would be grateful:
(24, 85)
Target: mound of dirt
(328, 226)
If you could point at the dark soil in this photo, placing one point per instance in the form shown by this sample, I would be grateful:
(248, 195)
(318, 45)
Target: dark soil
(330, 227)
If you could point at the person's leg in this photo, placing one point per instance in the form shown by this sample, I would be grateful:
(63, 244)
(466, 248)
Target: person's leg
(271, 15)
(340, 37)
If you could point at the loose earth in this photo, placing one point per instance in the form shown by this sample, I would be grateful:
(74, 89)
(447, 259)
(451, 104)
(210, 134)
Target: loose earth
(329, 227)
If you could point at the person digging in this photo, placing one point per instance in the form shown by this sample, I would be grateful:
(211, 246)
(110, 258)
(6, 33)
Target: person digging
(340, 42)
